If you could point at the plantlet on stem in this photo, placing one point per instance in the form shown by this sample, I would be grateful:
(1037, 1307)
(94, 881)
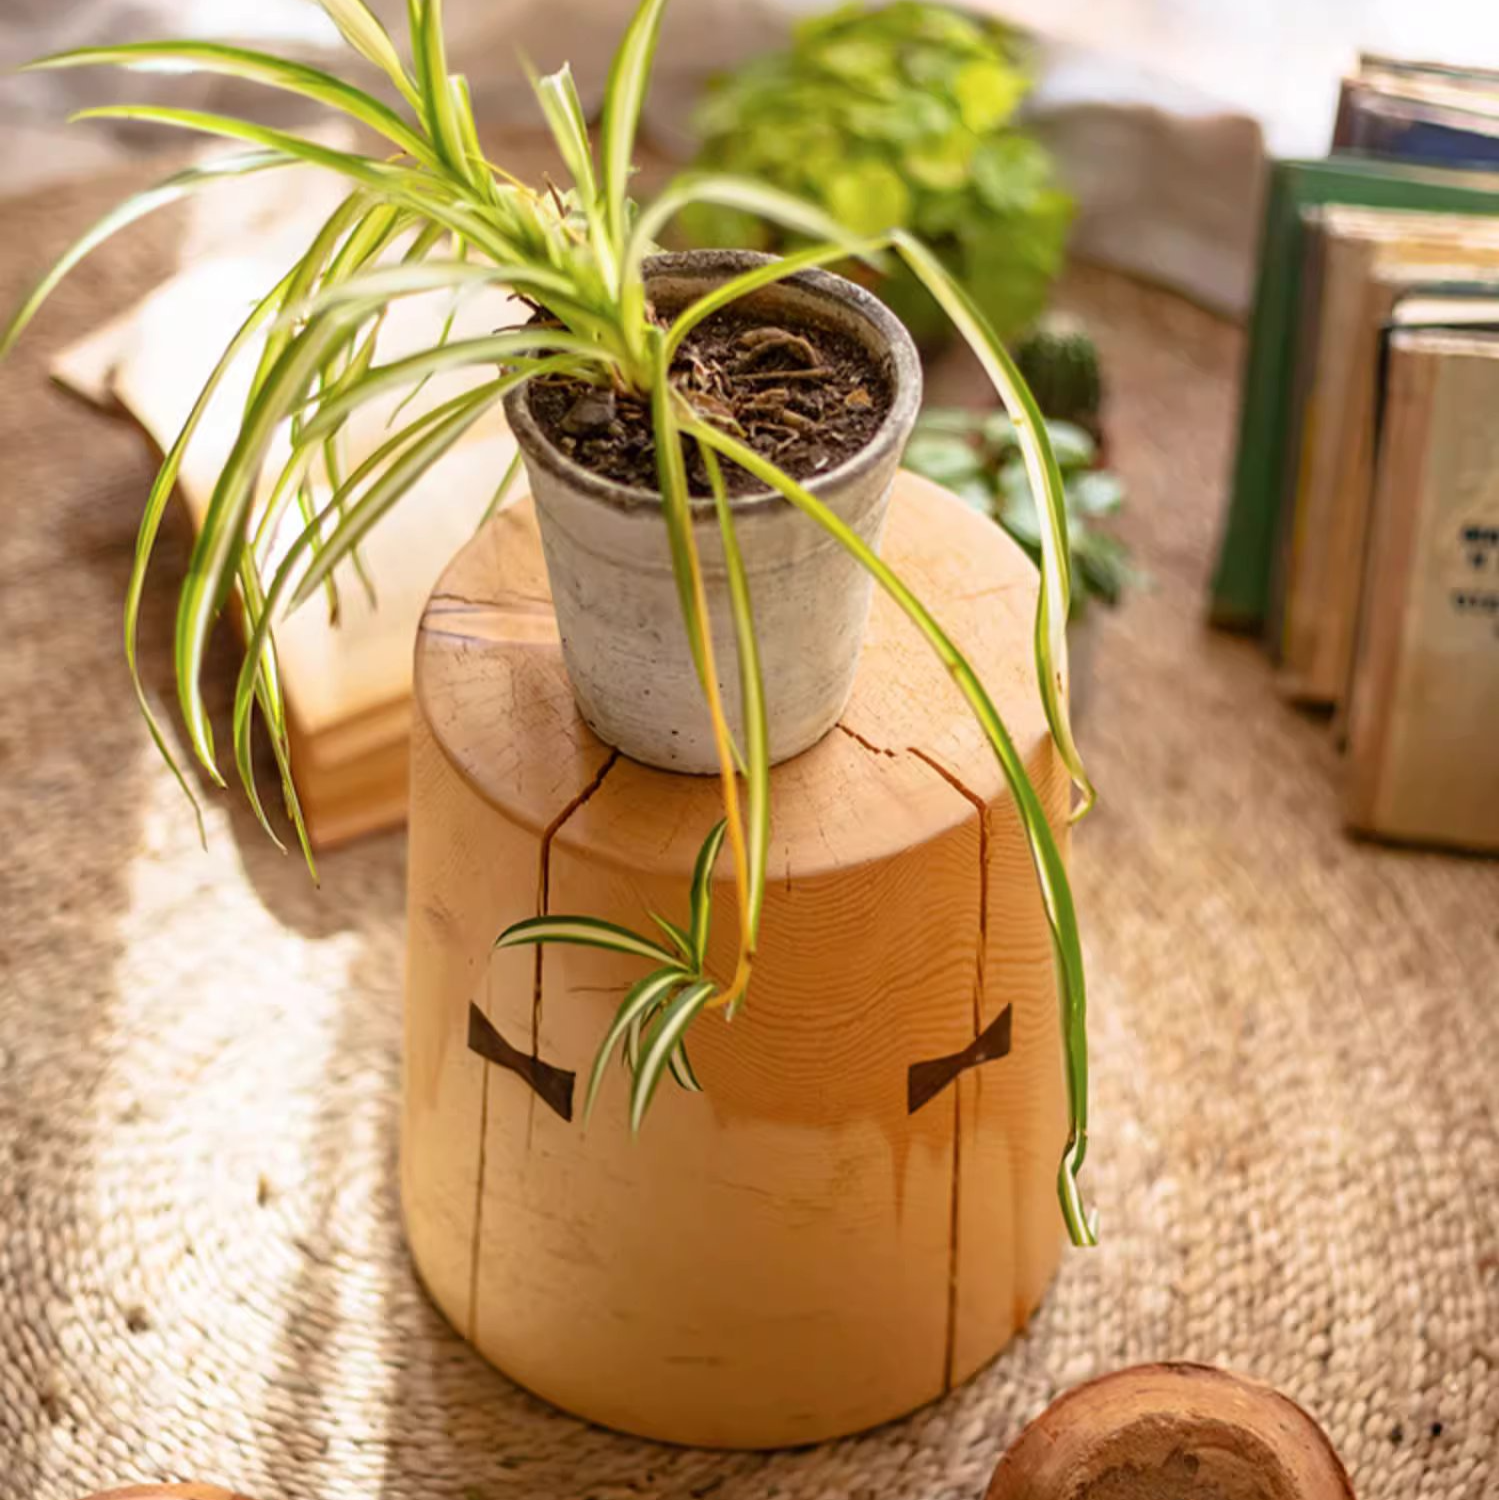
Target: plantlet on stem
(434, 214)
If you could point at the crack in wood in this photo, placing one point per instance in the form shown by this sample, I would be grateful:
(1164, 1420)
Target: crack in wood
(544, 884)
(982, 808)
(543, 896)
(869, 745)
(924, 1081)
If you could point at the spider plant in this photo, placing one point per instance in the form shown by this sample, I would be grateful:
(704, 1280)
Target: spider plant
(429, 213)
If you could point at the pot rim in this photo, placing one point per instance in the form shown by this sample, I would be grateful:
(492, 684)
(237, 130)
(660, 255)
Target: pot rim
(906, 375)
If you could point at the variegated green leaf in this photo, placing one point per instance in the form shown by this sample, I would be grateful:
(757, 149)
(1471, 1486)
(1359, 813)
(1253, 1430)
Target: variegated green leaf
(217, 551)
(681, 1070)
(676, 510)
(429, 50)
(1055, 603)
(175, 188)
(258, 646)
(253, 67)
(397, 482)
(752, 703)
(513, 471)
(1051, 872)
(639, 1001)
(522, 350)
(661, 1041)
(433, 196)
(387, 284)
(702, 892)
(156, 504)
(677, 937)
(624, 98)
(569, 126)
(583, 932)
(468, 134)
(369, 38)
(750, 197)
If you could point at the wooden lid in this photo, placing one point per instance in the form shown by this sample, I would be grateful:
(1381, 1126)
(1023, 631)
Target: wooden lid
(1172, 1432)
(492, 686)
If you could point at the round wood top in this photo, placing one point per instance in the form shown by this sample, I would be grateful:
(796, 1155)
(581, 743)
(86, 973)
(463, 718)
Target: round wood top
(491, 685)
(1172, 1432)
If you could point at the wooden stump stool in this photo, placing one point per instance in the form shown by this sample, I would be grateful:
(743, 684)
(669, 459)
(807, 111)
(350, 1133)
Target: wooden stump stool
(860, 1209)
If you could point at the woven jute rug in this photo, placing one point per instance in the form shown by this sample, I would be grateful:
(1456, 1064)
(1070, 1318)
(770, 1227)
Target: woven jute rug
(201, 1266)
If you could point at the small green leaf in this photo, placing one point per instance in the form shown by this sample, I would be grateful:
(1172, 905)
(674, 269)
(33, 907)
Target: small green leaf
(950, 421)
(681, 1070)
(1074, 448)
(988, 93)
(513, 471)
(869, 197)
(583, 932)
(679, 939)
(1010, 173)
(999, 432)
(661, 1041)
(1096, 493)
(642, 998)
(942, 165)
(370, 39)
(947, 460)
(702, 892)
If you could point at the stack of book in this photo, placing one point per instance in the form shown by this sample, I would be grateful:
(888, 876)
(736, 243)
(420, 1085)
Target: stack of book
(1362, 539)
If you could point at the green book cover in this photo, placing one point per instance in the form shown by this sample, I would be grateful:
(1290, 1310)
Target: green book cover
(1242, 583)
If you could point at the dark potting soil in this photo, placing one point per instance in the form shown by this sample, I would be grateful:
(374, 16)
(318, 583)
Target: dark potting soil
(806, 398)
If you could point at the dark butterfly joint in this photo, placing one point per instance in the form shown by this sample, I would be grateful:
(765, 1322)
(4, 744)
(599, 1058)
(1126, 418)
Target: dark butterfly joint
(927, 1079)
(553, 1086)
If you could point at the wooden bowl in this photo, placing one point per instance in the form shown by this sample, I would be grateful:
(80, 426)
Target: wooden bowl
(1172, 1432)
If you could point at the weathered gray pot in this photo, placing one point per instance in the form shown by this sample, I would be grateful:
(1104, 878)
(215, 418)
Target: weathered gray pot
(610, 566)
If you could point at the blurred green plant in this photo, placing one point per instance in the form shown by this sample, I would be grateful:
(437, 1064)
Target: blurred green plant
(1059, 361)
(899, 118)
(977, 455)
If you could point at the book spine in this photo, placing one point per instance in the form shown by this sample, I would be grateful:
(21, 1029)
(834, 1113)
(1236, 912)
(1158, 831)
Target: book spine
(1424, 729)
(1372, 128)
(1241, 582)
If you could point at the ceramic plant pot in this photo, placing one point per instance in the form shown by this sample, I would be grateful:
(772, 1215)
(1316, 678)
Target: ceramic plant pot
(607, 556)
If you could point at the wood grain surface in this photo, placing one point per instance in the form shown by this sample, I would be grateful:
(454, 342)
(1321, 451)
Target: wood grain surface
(1172, 1432)
(794, 1254)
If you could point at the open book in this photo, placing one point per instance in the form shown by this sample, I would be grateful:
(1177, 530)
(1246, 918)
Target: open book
(347, 683)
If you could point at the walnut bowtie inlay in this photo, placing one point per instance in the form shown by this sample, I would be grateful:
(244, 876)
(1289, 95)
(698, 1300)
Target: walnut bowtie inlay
(927, 1079)
(553, 1086)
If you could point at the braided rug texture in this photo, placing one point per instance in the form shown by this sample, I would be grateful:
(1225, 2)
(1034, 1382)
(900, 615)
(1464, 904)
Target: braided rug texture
(1296, 1146)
